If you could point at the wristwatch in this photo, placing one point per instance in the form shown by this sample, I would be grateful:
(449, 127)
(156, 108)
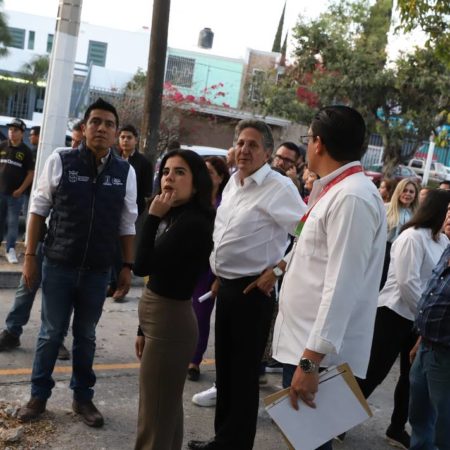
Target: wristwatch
(277, 271)
(308, 366)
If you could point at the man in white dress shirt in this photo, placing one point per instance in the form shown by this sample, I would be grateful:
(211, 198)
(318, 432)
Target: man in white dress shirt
(329, 295)
(259, 208)
(91, 197)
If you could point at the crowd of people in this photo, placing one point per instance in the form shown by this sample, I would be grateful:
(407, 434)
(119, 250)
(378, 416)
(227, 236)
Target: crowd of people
(297, 250)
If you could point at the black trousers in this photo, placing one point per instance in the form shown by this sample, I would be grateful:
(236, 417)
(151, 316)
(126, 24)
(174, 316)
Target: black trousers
(242, 326)
(393, 335)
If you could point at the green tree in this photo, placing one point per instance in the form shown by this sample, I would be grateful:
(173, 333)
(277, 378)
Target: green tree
(5, 40)
(431, 16)
(276, 47)
(340, 57)
(36, 69)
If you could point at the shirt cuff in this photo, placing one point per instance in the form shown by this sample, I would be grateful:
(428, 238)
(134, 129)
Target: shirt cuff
(320, 345)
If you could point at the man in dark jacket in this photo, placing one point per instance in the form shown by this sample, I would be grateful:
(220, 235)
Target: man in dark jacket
(128, 140)
(16, 175)
(92, 197)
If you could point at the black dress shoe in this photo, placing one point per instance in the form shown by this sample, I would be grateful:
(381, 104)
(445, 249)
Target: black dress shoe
(193, 373)
(205, 445)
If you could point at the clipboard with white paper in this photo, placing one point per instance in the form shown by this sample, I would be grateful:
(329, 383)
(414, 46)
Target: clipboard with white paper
(340, 405)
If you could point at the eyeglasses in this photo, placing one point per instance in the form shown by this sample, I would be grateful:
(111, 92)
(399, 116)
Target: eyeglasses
(305, 139)
(285, 160)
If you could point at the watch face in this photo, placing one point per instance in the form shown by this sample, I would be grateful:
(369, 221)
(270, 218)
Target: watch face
(277, 271)
(306, 365)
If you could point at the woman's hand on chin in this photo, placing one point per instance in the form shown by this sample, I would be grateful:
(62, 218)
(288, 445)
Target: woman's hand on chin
(162, 203)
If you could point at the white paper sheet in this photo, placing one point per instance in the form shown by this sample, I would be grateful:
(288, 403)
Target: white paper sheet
(338, 410)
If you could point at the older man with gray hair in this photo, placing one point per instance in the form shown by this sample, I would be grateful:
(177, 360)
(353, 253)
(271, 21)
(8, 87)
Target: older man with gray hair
(259, 208)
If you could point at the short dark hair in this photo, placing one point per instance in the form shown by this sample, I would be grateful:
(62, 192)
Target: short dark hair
(105, 106)
(130, 128)
(291, 146)
(431, 213)
(447, 182)
(36, 130)
(342, 130)
(221, 168)
(258, 125)
(78, 126)
(200, 178)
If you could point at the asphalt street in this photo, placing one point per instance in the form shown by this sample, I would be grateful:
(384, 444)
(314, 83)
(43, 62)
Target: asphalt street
(116, 393)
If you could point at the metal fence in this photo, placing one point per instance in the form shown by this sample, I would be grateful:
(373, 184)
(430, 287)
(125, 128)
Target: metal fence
(374, 153)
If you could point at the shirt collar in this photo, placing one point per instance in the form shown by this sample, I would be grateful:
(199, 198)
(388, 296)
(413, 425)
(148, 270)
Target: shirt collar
(258, 176)
(320, 184)
(105, 158)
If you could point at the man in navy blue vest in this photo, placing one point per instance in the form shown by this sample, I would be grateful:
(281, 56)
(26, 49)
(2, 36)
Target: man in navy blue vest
(92, 198)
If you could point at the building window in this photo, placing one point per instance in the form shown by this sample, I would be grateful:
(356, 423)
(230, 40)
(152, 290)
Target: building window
(49, 43)
(17, 37)
(256, 86)
(97, 53)
(180, 71)
(31, 36)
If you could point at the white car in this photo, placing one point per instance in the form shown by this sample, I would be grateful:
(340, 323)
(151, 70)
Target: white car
(437, 170)
(203, 151)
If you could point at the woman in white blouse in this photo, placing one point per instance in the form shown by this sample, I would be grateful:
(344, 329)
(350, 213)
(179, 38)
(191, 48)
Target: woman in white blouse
(413, 255)
(403, 204)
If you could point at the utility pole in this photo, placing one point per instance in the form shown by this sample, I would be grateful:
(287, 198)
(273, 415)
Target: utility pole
(155, 78)
(426, 172)
(59, 81)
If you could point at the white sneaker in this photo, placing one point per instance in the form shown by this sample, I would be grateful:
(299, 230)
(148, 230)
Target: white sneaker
(206, 398)
(11, 256)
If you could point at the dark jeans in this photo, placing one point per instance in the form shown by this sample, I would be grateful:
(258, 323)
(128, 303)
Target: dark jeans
(64, 288)
(430, 399)
(19, 314)
(288, 374)
(393, 335)
(242, 326)
(10, 208)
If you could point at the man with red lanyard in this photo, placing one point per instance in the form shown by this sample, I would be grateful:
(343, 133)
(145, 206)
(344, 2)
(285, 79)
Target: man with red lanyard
(329, 294)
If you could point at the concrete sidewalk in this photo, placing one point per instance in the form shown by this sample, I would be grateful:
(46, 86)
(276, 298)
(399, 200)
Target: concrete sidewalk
(117, 392)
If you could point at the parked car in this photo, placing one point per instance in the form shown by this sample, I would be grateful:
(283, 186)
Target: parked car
(203, 151)
(375, 173)
(437, 170)
(447, 171)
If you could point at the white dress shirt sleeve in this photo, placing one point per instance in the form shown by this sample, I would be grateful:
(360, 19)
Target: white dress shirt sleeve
(408, 256)
(287, 208)
(129, 211)
(48, 181)
(349, 248)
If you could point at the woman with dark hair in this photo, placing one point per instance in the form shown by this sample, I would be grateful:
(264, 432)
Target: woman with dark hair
(413, 256)
(173, 251)
(218, 171)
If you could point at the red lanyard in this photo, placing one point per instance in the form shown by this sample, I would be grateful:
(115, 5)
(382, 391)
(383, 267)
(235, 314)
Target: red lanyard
(346, 173)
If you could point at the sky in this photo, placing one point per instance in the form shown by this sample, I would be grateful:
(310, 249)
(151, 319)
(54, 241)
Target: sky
(237, 24)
